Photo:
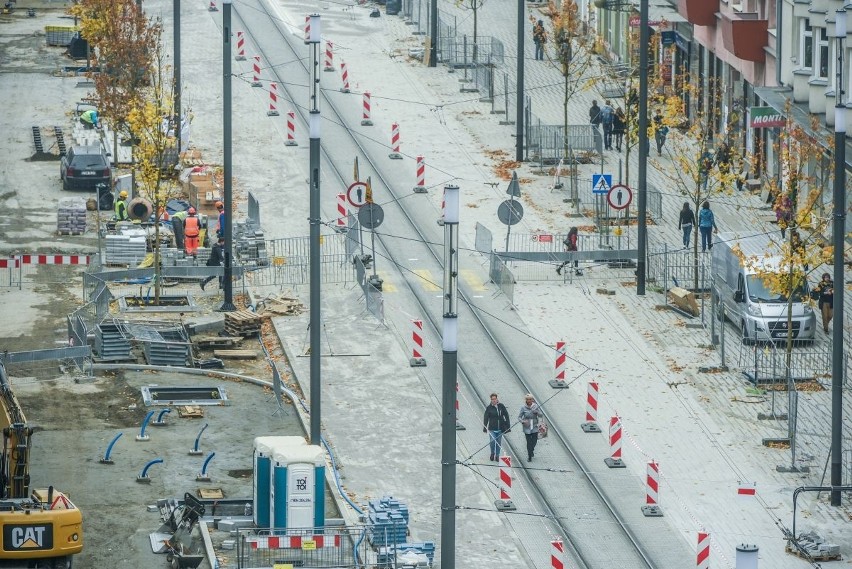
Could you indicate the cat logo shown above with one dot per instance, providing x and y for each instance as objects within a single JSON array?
[{"x": 27, "y": 537}]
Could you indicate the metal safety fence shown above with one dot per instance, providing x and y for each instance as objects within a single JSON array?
[
  {"x": 502, "y": 276},
  {"x": 669, "y": 267},
  {"x": 289, "y": 262},
  {"x": 19, "y": 271},
  {"x": 763, "y": 364},
  {"x": 373, "y": 299},
  {"x": 548, "y": 144}
]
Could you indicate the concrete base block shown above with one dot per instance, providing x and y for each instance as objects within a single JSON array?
[
  {"x": 772, "y": 416},
  {"x": 652, "y": 511},
  {"x": 143, "y": 479},
  {"x": 417, "y": 362},
  {"x": 792, "y": 469},
  {"x": 441, "y": 222},
  {"x": 505, "y": 505},
  {"x": 590, "y": 428},
  {"x": 366, "y": 122},
  {"x": 291, "y": 143},
  {"x": 194, "y": 452},
  {"x": 558, "y": 384},
  {"x": 202, "y": 478},
  {"x": 240, "y": 58},
  {"x": 257, "y": 84},
  {"x": 105, "y": 461},
  {"x": 142, "y": 438},
  {"x": 460, "y": 427},
  {"x": 272, "y": 113},
  {"x": 158, "y": 423},
  {"x": 419, "y": 189},
  {"x": 395, "y": 156},
  {"x": 614, "y": 463}
]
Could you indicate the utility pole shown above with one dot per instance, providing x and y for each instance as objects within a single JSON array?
[
  {"x": 433, "y": 33},
  {"x": 837, "y": 365},
  {"x": 315, "y": 224},
  {"x": 177, "y": 103},
  {"x": 642, "y": 189},
  {"x": 450, "y": 341},
  {"x": 519, "y": 88},
  {"x": 228, "y": 304}
]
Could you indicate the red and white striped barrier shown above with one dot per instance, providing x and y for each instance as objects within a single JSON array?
[
  {"x": 342, "y": 212},
  {"x": 505, "y": 482},
  {"x": 212, "y": 7},
  {"x": 459, "y": 426},
  {"x": 746, "y": 490},
  {"x": 256, "y": 69},
  {"x": 273, "y": 100},
  {"x": 592, "y": 395},
  {"x": 291, "y": 129},
  {"x": 443, "y": 207},
  {"x": 10, "y": 263},
  {"x": 241, "y": 47},
  {"x": 344, "y": 74},
  {"x": 417, "y": 359},
  {"x": 329, "y": 56},
  {"x": 294, "y": 542},
  {"x": 557, "y": 554},
  {"x": 615, "y": 432},
  {"x": 54, "y": 259},
  {"x": 395, "y": 142},
  {"x": 652, "y": 508},
  {"x": 420, "y": 171},
  {"x": 307, "y": 29},
  {"x": 558, "y": 381},
  {"x": 365, "y": 115},
  {"x": 702, "y": 560}
]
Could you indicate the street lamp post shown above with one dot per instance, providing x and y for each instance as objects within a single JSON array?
[{"x": 839, "y": 229}]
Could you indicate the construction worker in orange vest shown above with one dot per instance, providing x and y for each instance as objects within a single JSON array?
[{"x": 191, "y": 229}]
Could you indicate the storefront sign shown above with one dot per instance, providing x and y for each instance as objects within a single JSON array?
[
  {"x": 681, "y": 42},
  {"x": 766, "y": 117},
  {"x": 667, "y": 38},
  {"x": 634, "y": 22}
]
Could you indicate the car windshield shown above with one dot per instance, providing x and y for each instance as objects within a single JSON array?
[{"x": 758, "y": 292}]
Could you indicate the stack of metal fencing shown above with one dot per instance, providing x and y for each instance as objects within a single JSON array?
[
  {"x": 110, "y": 342},
  {"x": 165, "y": 345},
  {"x": 71, "y": 216}
]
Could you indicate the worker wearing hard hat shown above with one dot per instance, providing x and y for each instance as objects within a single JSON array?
[
  {"x": 90, "y": 119},
  {"x": 177, "y": 220},
  {"x": 191, "y": 229},
  {"x": 121, "y": 207},
  {"x": 220, "y": 229}
]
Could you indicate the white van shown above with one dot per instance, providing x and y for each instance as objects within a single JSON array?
[{"x": 759, "y": 313}]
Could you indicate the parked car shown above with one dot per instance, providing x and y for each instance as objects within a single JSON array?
[{"x": 84, "y": 167}]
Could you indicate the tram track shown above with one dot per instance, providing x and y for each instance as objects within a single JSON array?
[{"x": 589, "y": 548}]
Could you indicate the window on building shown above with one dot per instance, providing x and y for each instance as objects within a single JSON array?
[
  {"x": 806, "y": 44},
  {"x": 821, "y": 67}
]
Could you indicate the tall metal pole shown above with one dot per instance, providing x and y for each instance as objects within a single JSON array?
[
  {"x": 177, "y": 103},
  {"x": 227, "y": 167},
  {"x": 433, "y": 33},
  {"x": 642, "y": 189},
  {"x": 519, "y": 88},
  {"x": 450, "y": 343},
  {"x": 315, "y": 224},
  {"x": 837, "y": 366}
]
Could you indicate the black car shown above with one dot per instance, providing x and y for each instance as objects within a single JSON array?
[{"x": 84, "y": 167}]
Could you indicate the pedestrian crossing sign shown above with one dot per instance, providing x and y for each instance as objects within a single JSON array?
[{"x": 601, "y": 183}]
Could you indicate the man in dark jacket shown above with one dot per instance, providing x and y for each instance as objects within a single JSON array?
[
  {"x": 495, "y": 423},
  {"x": 217, "y": 259}
]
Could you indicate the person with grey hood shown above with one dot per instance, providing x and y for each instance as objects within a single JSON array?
[{"x": 528, "y": 416}]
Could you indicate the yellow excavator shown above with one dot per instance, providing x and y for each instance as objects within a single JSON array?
[{"x": 42, "y": 529}]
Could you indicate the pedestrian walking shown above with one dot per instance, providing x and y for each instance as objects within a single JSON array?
[
  {"x": 495, "y": 423},
  {"x": 570, "y": 243},
  {"x": 539, "y": 39},
  {"x": 705, "y": 165},
  {"x": 783, "y": 213},
  {"x": 685, "y": 223},
  {"x": 595, "y": 113},
  {"x": 121, "y": 207},
  {"x": 723, "y": 158},
  {"x": 706, "y": 225},
  {"x": 217, "y": 259},
  {"x": 824, "y": 294},
  {"x": 607, "y": 118},
  {"x": 529, "y": 416},
  {"x": 660, "y": 131},
  {"x": 177, "y": 220},
  {"x": 191, "y": 230},
  {"x": 619, "y": 126}
]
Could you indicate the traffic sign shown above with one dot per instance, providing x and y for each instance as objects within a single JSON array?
[
  {"x": 371, "y": 215},
  {"x": 356, "y": 194},
  {"x": 601, "y": 183},
  {"x": 514, "y": 188},
  {"x": 619, "y": 196},
  {"x": 510, "y": 212}
]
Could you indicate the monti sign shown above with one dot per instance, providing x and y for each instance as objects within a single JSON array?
[{"x": 766, "y": 117}]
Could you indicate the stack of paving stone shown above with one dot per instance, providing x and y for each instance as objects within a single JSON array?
[
  {"x": 172, "y": 257},
  {"x": 420, "y": 554},
  {"x": 250, "y": 244},
  {"x": 127, "y": 248},
  {"x": 387, "y": 521},
  {"x": 71, "y": 216}
]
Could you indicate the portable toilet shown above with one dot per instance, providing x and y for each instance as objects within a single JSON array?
[
  {"x": 298, "y": 487},
  {"x": 264, "y": 448}
]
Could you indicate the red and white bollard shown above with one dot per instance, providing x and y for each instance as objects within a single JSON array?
[
  {"x": 443, "y": 206},
  {"x": 344, "y": 73},
  {"x": 505, "y": 504},
  {"x": 291, "y": 129},
  {"x": 256, "y": 70},
  {"x": 417, "y": 359},
  {"x": 651, "y": 509},
  {"x": 329, "y": 56},
  {"x": 395, "y": 155},
  {"x": 420, "y": 188},
  {"x": 614, "y": 459},
  {"x": 212, "y": 7},
  {"x": 273, "y": 100},
  {"x": 342, "y": 213},
  {"x": 558, "y": 381},
  {"x": 241, "y": 47},
  {"x": 459, "y": 426},
  {"x": 557, "y": 554},
  {"x": 702, "y": 560},
  {"x": 365, "y": 115},
  {"x": 591, "y": 424},
  {"x": 307, "y": 29}
]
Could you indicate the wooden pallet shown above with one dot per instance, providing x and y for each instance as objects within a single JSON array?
[
  {"x": 235, "y": 354},
  {"x": 810, "y": 556},
  {"x": 207, "y": 342},
  {"x": 242, "y": 323}
]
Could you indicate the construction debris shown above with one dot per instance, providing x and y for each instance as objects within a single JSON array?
[
  {"x": 190, "y": 411},
  {"x": 242, "y": 323},
  {"x": 283, "y": 305},
  {"x": 236, "y": 354},
  {"x": 811, "y": 546}
]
